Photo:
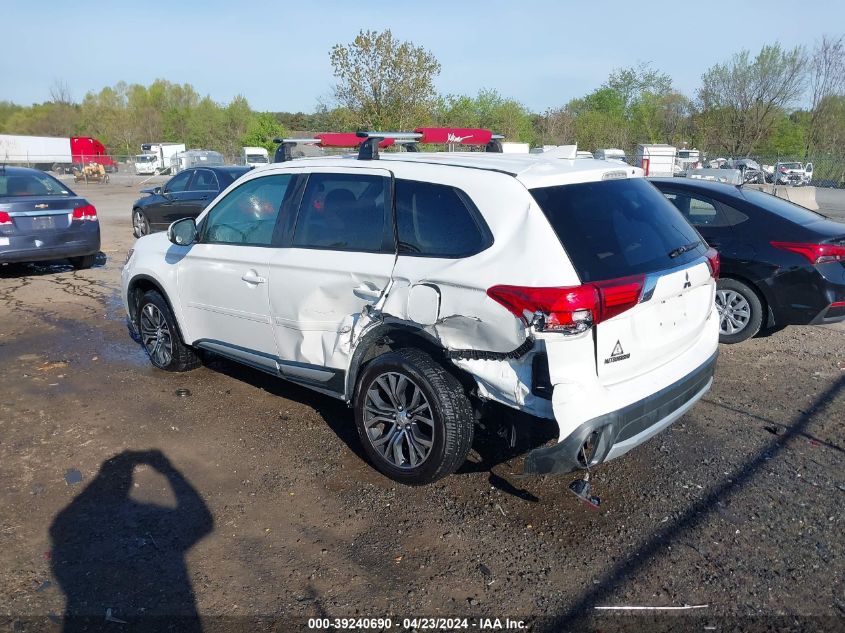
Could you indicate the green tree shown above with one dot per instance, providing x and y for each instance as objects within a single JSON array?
[
  {"x": 263, "y": 127},
  {"x": 387, "y": 83},
  {"x": 743, "y": 99}
]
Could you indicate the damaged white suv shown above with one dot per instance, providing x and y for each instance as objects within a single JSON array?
[{"x": 414, "y": 285}]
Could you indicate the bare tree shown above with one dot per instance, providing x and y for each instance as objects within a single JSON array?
[
  {"x": 60, "y": 92},
  {"x": 827, "y": 79},
  {"x": 743, "y": 98},
  {"x": 386, "y": 82}
]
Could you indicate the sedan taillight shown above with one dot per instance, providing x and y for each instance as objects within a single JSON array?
[
  {"x": 815, "y": 253},
  {"x": 85, "y": 212},
  {"x": 5, "y": 219}
]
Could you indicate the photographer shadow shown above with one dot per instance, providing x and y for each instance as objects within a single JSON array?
[{"x": 122, "y": 562}]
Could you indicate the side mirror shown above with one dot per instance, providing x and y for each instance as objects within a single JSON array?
[
  {"x": 157, "y": 191},
  {"x": 183, "y": 232},
  {"x": 152, "y": 190}
]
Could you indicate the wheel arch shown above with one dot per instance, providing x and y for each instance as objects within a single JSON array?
[
  {"x": 138, "y": 286},
  {"x": 769, "y": 320},
  {"x": 390, "y": 336}
]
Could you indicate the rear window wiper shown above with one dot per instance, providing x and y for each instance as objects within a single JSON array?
[{"x": 675, "y": 252}]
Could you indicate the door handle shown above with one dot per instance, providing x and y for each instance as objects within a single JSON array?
[
  {"x": 252, "y": 277},
  {"x": 367, "y": 291}
]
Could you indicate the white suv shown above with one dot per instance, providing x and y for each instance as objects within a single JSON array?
[{"x": 414, "y": 286}]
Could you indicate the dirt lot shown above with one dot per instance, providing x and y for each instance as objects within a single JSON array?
[{"x": 257, "y": 503}]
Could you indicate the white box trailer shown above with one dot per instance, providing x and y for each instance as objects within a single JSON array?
[
  {"x": 656, "y": 160},
  {"x": 195, "y": 158},
  {"x": 41, "y": 152},
  {"x": 156, "y": 157},
  {"x": 515, "y": 148}
]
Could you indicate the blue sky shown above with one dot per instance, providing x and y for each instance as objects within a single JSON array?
[{"x": 542, "y": 53}]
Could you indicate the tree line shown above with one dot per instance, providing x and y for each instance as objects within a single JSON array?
[{"x": 780, "y": 101}]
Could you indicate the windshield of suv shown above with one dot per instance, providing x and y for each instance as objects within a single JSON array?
[
  {"x": 781, "y": 207},
  {"x": 28, "y": 184},
  {"x": 616, "y": 228},
  {"x": 145, "y": 158},
  {"x": 256, "y": 158}
]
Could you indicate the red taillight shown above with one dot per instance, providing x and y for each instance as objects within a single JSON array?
[
  {"x": 815, "y": 253},
  {"x": 5, "y": 218},
  {"x": 86, "y": 212},
  {"x": 571, "y": 309},
  {"x": 713, "y": 261}
]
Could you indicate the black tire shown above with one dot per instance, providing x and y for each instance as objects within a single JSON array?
[
  {"x": 744, "y": 305},
  {"x": 85, "y": 261},
  {"x": 448, "y": 405},
  {"x": 140, "y": 223},
  {"x": 163, "y": 335}
]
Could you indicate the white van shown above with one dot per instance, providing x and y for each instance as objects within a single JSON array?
[{"x": 255, "y": 157}]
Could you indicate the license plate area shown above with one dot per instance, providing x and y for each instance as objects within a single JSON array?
[{"x": 43, "y": 222}]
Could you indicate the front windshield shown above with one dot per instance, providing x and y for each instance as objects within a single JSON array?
[
  {"x": 31, "y": 184},
  {"x": 145, "y": 159},
  {"x": 256, "y": 158},
  {"x": 791, "y": 165}
]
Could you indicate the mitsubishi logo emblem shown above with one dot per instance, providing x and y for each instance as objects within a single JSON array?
[{"x": 687, "y": 283}]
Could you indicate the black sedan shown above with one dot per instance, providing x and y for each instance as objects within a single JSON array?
[
  {"x": 781, "y": 264},
  {"x": 41, "y": 219},
  {"x": 183, "y": 196}
]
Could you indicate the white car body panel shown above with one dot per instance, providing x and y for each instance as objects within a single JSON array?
[{"x": 314, "y": 307}]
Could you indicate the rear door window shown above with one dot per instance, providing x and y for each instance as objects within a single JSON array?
[
  {"x": 616, "y": 228},
  {"x": 438, "y": 221},
  {"x": 346, "y": 212},
  {"x": 204, "y": 180}
]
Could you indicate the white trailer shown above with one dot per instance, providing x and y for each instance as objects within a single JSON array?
[
  {"x": 656, "y": 160},
  {"x": 157, "y": 157},
  {"x": 42, "y": 152},
  {"x": 195, "y": 158},
  {"x": 515, "y": 148}
]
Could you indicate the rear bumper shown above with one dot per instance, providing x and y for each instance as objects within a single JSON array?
[
  {"x": 617, "y": 432},
  {"x": 49, "y": 247},
  {"x": 808, "y": 295}
]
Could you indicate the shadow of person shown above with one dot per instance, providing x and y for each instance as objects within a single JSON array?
[{"x": 117, "y": 559}]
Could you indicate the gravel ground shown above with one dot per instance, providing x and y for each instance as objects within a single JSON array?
[{"x": 250, "y": 498}]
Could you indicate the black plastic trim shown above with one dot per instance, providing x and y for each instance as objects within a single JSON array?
[{"x": 619, "y": 425}]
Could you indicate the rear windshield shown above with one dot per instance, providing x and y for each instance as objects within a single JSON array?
[
  {"x": 781, "y": 207},
  {"x": 14, "y": 185},
  {"x": 616, "y": 228}
]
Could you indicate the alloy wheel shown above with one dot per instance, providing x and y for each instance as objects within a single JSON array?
[
  {"x": 155, "y": 335},
  {"x": 398, "y": 420},
  {"x": 734, "y": 311},
  {"x": 139, "y": 223}
]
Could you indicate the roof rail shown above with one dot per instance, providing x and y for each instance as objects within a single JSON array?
[
  {"x": 324, "y": 139},
  {"x": 368, "y": 146}
]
